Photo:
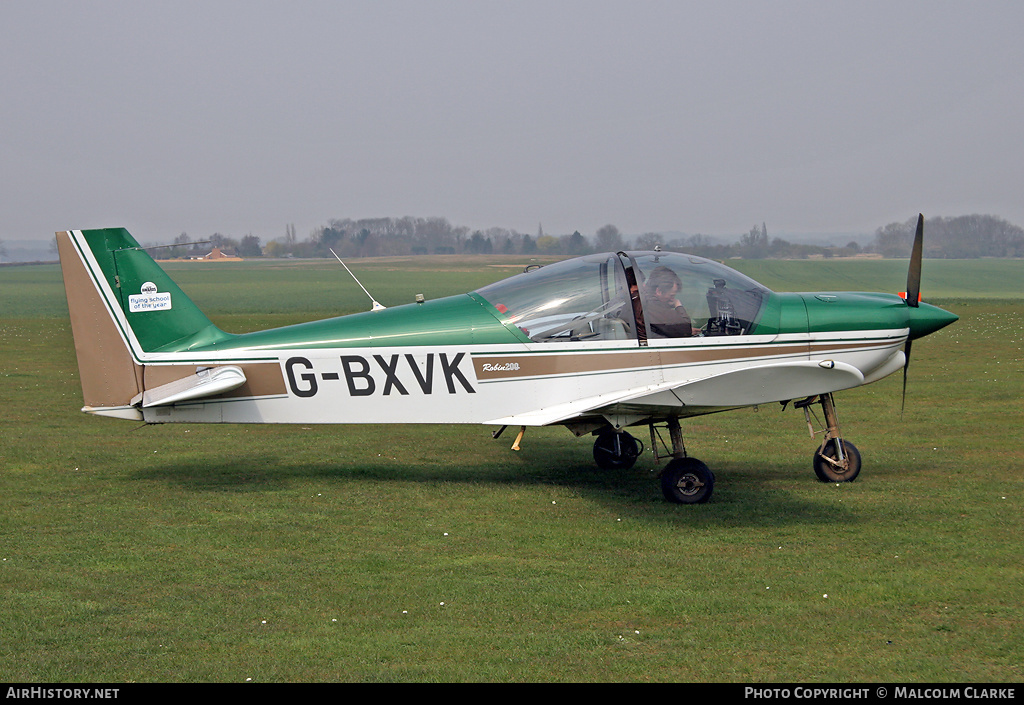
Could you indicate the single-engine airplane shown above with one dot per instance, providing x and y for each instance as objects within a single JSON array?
[{"x": 597, "y": 344}]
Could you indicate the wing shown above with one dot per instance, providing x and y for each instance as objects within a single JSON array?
[{"x": 760, "y": 384}]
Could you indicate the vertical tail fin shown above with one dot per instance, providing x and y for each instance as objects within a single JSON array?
[{"x": 122, "y": 307}]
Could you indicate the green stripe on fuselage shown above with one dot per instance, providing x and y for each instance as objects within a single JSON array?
[
  {"x": 454, "y": 320},
  {"x": 468, "y": 319}
]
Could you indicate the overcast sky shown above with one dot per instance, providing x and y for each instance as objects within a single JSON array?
[{"x": 703, "y": 117}]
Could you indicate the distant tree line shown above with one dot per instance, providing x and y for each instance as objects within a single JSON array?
[
  {"x": 755, "y": 244},
  {"x": 376, "y": 237},
  {"x": 960, "y": 237},
  {"x": 379, "y": 237}
]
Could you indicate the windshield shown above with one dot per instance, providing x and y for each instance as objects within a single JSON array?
[
  {"x": 588, "y": 298},
  {"x": 684, "y": 295},
  {"x": 579, "y": 299}
]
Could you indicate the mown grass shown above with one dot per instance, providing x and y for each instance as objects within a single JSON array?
[{"x": 434, "y": 553}]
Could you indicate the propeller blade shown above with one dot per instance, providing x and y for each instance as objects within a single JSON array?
[
  {"x": 906, "y": 366},
  {"x": 913, "y": 295},
  {"x": 914, "y": 275}
]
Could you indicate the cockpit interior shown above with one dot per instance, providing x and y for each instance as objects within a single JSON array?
[{"x": 629, "y": 296}]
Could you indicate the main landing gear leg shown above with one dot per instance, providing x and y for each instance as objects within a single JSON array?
[
  {"x": 684, "y": 480},
  {"x": 835, "y": 460}
]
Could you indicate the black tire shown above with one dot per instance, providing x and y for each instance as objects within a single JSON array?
[
  {"x": 687, "y": 481},
  {"x": 827, "y": 472},
  {"x": 615, "y": 451}
]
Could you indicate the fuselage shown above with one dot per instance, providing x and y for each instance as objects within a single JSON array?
[
  {"x": 562, "y": 344},
  {"x": 454, "y": 361}
]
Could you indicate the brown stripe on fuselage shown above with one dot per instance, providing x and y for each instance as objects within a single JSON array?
[
  {"x": 543, "y": 364},
  {"x": 513, "y": 366}
]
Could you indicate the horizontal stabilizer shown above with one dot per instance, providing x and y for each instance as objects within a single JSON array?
[{"x": 205, "y": 383}]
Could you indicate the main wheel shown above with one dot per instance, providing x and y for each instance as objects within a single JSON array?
[
  {"x": 687, "y": 481},
  {"x": 827, "y": 472},
  {"x": 615, "y": 451}
]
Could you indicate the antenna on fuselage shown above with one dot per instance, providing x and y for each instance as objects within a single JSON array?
[{"x": 376, "y": 306}]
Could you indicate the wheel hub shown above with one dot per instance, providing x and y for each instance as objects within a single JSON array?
[{"x": 689, "y": 484}]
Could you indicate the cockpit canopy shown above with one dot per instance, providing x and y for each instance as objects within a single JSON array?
[{"x": 629, "y": 295}]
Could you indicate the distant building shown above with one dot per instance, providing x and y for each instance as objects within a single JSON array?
[{"x": 217, "y": 254}]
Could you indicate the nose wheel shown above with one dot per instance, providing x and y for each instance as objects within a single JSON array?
[
  {"x": 831, "y": 465},
  {"x": 835, "y": 460}
]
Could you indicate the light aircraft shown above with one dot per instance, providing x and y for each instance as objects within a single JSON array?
[{"x": 597, "y": 344}]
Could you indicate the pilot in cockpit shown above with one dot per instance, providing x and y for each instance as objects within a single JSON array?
[{"x": 665, "y": 315}]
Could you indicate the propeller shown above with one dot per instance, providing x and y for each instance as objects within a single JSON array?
[
  {"x": 913, "y": 298},
  {"x": 914, "y": 275}
]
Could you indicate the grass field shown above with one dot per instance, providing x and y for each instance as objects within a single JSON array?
[{"x": 434, "y": 553}]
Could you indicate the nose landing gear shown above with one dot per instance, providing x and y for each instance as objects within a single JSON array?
[{"x": 835, "y": 460}]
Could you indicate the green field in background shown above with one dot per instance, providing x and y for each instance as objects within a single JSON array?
[{"x": 434, "y": 553}]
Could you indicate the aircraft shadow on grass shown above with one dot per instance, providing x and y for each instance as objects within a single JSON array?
[{"x": 625, "y": 491}]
